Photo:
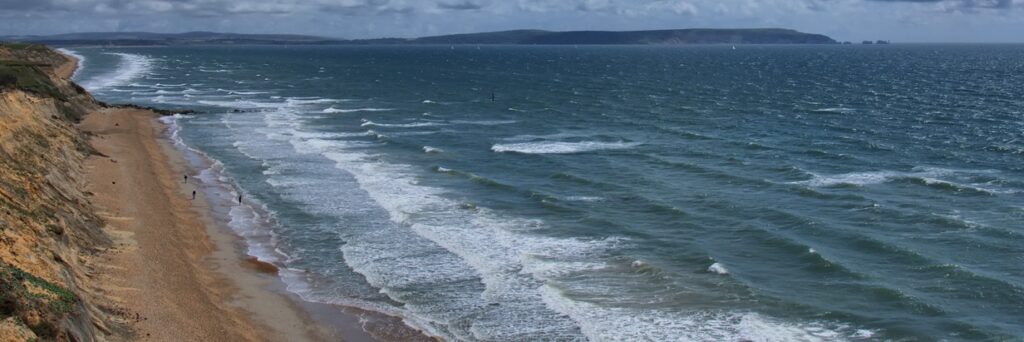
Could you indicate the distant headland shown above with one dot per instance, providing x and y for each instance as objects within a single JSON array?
[{"x": 515, "y": 37}]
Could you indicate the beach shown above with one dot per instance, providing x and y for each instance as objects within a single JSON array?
[
  {"x": 175, "y": 272},
  {"x": 185, "y": 279},
  {"x": 622, "y": 214}
]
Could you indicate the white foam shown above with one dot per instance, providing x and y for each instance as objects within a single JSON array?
[
  {"x": 863, "y": 334},
  {"x": 928, "y": 175},
  {"x": 408, "y": 125},
  {"x": 355, "y": 110},
  {"x": 445, "y": 242},
  {"x": 855, "y": 178},
  {"x": 509, "y": 262},
  {"x": 717, "y": 268},
  {"x": 484, "y": 122},
  {"x": 428, "y": 149},
  {"x": 249, "y": 220},
  {"x": 132, "y": 66},
  {"x": 244, "y": 104},
  {"x": 841, "y": 110},
  {"x": 600, "y": 323},
  {"x": 80, "y": 58},
  {"x": 326, "y": 135},
  {"x": 556, "y": 136},
  {"x": 302, "y": 101},
  {"x": 560, "y": 147},
  {"x": 584, "y": 198}
]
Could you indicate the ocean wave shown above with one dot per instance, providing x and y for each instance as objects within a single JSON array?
[
  {"x": 584, "y": 198},
  {"x": 244, "y": 104},
  {"x": 408, "y": 125},
  {"x": 355, "y": 110},
  {"x": 555, "y": 136},
  {"x": 315, "y": 100},
  {"x": 559, "y": 147},
  {"x": 326, "y": 135},
  {"x": 132, "y": 66},
  {"x": 233, "y": 92},
  {"x": 483, "y": 122},
  {"x": 161, "y": 85},
  {"x": 941, "y": 178},
  {"x": 841, "y": 110},
  {"x": 601, "y": 323},
  {"x": 251, "y": 220},
  {"x": 80, "y": 58},
  {"x": 717, "y": 268},
  {"x": 428, "y": 149},
  {"x": 497, "y": 250}
]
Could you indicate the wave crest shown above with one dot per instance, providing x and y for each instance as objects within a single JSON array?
[{"x": 561, "y": 147}]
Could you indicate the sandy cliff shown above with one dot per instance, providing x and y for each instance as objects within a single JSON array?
[{"x": 48, "y": 229}]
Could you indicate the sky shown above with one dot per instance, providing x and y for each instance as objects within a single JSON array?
[{"x": 853, "y": 20}]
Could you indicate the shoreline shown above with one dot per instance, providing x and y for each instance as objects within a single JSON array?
[
  {"x": 350, "y": 322},
  {"x": 171, "y": 266},
  {"x": 247, "y": 296}
]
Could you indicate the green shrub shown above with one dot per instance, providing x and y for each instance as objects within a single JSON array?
[{"x": 16, "y": 299}]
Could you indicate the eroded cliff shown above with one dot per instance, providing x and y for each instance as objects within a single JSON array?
[{"x": 48, "y": 229}]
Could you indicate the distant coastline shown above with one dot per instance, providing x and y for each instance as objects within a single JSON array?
[{"x": 514, "y": 37}]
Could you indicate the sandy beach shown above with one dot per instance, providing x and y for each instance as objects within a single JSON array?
[
  {"x": 183, "y": 278},
  {"x": 176, "y": 273}
]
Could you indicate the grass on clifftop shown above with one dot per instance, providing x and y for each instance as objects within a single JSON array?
[
  {"x": 21, "y": 68},
  {"x": 27, "y": 77},
  {"x": 24, "y": 46}
]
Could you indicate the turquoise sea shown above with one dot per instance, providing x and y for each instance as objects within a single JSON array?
[{"x": 693, "y": 193}]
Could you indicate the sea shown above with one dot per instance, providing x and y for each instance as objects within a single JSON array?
[{"x": 615, "y": 193}]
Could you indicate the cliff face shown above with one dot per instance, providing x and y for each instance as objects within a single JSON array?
[{"x": 48, "y": 229}]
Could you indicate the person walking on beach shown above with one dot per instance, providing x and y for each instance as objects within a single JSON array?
[
  {"x": 186, "y": 179},
  {"x": 193, "y": 194}
]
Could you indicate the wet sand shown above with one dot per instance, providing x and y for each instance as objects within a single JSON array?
[
  {"x": 175, "y": 273},
  {"x": 183, "y": 277}
]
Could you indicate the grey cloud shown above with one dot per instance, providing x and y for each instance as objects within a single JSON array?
[
  {"x": 209, "y": 7},
  {"x": 996, "y": 4},
  {"x": 845, "y": 19},
  {"x": 460, "y": 6}
]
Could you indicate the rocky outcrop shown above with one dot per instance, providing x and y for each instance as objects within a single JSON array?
[{"x": 48, "y": 229}]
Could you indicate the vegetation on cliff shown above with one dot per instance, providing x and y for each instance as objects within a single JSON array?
[{"x": 48, "y": 228}]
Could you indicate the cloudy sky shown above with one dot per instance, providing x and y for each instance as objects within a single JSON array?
[{"x": 897, "y": 20}]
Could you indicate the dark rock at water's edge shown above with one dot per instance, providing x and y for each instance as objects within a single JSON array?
[
  {"x": 514, "y": 37},
  {"x": 161, "y": 111}
]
